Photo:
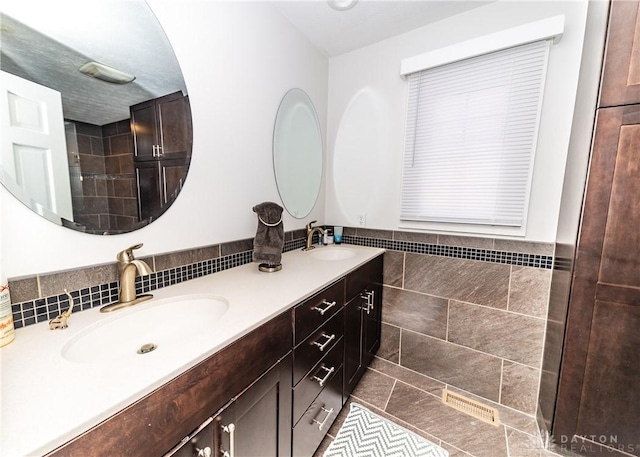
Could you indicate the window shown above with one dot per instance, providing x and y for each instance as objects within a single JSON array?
[{"x": 471, "y": 136}]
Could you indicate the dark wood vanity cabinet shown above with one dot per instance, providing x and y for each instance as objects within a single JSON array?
[
  {"x": 363, "y": 321},
  {"x": 162, "y": 142},
  {"x": 273, "y": 393}
]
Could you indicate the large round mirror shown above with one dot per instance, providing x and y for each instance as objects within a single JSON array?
[
  {"x": 94, "y": 112},
  {"x": 297, "y": 153}
]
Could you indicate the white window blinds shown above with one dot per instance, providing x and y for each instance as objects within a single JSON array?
[{"x": 471, "y": 135}]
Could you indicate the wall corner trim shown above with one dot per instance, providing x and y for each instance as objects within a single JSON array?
[{"x": 545, "y": 29}]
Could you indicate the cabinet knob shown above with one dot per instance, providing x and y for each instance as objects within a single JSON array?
[
  {"x": 206, "y": 452},
  {"x": 230, "y": 429}
]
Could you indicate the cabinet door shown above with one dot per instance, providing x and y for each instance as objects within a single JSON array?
[
  {"x": 353, "y": 349},
  {"x": 199, "y": 444},
  {"x": 599, "y": 390},
  {"x": 174, "y": 125},
  {"x": 172, "y": 174},
  {"x": 372, "y": 322},
  {"x": 143, "y": 127},
  {"x": 258, "y": 422},
  {"x": 621, "y": 73},
  {"x": 363, "y": 322},
  {"x": 149, "y": 186}
]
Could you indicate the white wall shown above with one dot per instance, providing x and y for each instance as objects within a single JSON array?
[
  {"x": 238, "y": 60},
  {"x": 580, "y": 146},
  {"x": 367, "y": 82}
]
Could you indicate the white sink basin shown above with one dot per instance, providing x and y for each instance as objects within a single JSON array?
[
  {"x": 332, "y": 253},
  {"x": 148, "y": 331}
]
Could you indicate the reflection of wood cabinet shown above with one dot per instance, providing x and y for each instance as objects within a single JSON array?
[
  {"x": 158, "y": 182},
  {"x": 162, "y": 151},
  {"x": 162, "y": 127}
]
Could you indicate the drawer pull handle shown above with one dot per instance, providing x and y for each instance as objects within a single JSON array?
[
  {"x": 230, "y": 429},
  {"x": 328, "y": 306},
  {"x": 329, "y": 338},
  {"x": 368, "y": 296},
  {"x": 322, "y": 381},
  {"x": 321, "y": 424}
]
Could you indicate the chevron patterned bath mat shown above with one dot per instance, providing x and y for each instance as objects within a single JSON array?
[{"x": 365, "y": 434}]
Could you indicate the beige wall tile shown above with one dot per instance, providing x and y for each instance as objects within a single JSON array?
[
  {"x": 471, "y": 281},
  {"x": 500, "y": 333},
  {"x": 529, "y": 291},
  {"x": 418, "y": 312},
  {"x": 520, "y": 387},
  {"x": 452, "y": 364}
]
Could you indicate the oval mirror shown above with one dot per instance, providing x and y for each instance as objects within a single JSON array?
[
  {"x": 297, "y": 153},
  {"x": 94, "y": 113}
]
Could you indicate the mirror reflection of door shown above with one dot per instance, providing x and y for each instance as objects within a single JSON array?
[{"x": 34, "y": 151}]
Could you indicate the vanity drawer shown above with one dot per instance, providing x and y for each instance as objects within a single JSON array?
[
  {"x": 308, "y": 353},
  {"x": 319, "y": 377},
  {"x": 313, "y": 426},
  {"x": 310, "y": 314}
]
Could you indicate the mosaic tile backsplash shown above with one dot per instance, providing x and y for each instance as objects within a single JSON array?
[{"x": 41, "y": 298}]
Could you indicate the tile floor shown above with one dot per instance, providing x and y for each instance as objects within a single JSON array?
[{"x": 423, "y": 412}]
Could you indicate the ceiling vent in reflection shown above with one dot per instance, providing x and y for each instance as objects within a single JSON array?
[{"x": 106, "y": 73}]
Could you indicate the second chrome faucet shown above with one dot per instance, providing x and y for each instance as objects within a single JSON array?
[{"x": 128, "y": 268}]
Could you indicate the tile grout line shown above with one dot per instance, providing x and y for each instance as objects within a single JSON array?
[
  {"x": 469, "y": 348},
  {"x": 501, "y": 377},
  {"x": 506, "y": 441},
  {"x": 494, "y": 308},
  {"x": 509, "y": 287},
  {"x": 446, "y": 335},
  {"x": 386, "y": 403},
  {"x": 400, "y": 347}
]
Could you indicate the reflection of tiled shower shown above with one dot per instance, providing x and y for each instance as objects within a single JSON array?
[
  {"x": 102, "y": 176},
  {"x": 73, "y": 158}
]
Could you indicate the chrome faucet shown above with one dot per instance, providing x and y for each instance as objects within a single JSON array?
[
  {"x": 128, "y": 268},
  {"x": 310, "y": 231}
]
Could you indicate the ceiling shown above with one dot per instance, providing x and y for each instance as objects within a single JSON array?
[
  {"x": 337, "y": 32},
  {"x": 48, "y": 44}
]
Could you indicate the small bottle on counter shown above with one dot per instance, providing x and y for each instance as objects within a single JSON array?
[{"x": 7, "y": 330}]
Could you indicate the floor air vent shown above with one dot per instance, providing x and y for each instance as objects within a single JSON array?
[{"x": 471, "y": 407}]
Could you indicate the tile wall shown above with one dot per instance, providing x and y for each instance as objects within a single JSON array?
[
  {"x": 41, "y": 297},
  {"x": 107, "y": 196},
  {"x": 477, "y": 325}
]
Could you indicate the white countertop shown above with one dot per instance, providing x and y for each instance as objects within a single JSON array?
[{"x": 46, "y": 400}]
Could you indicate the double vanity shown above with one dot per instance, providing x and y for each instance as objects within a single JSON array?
[{"x": 240, "y": 362}]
